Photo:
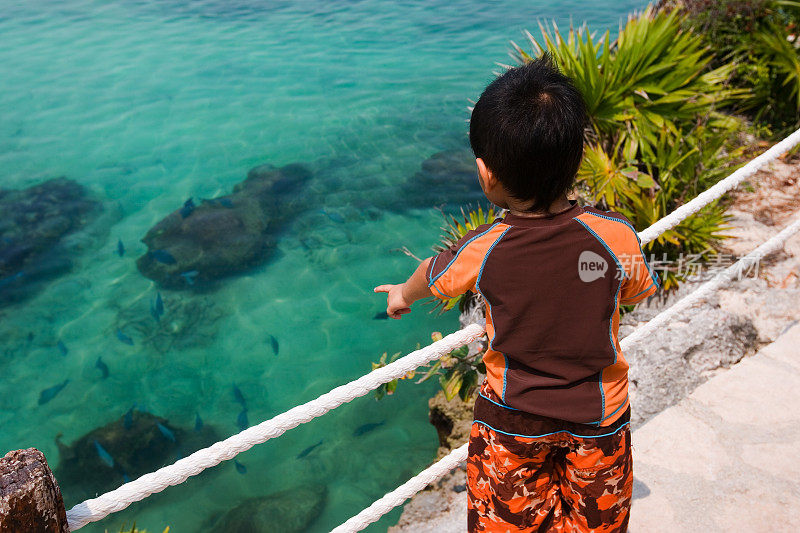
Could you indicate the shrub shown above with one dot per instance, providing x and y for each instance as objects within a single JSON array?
[
  {"x": 656, "y": 136},
  {"x": 759, "y": 38}
]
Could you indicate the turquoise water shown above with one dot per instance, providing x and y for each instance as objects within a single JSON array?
[{"x": 148, "y": 103}]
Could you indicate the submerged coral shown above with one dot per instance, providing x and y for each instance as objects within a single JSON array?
[
  {"x": 33, "y": 228},
  {"x": 135, "y": 444},
  {"x": 447, "y": 177},
  {"x": 187, "y": 322},
  {"x": 289, "y": 511},
  {"x": 198, "y": 244}
]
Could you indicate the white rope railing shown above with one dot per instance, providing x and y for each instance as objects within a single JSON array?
[
  {"x": 178, "y": 472},
  {"x": 445, "y": 465},
  {"x": 396, "y": 498},
  {"x": 118, "y": 499},
  {"x": 721, "y": 279}
]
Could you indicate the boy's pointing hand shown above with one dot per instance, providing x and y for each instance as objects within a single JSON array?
[{"x": 396, "y": 303}]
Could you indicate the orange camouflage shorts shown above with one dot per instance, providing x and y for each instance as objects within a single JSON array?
[{"x": 556, "y": 482}]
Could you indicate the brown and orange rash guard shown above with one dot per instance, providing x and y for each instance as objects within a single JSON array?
[{"x": 553, "y": 287}]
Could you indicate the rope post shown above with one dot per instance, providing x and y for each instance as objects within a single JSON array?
[{"x": 30, "y": 499}]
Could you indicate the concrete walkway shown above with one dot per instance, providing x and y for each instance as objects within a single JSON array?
[{"x": 727, "y": 457}]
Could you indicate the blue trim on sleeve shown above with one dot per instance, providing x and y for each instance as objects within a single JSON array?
[
  {"x": 653, "y": 284},
  {"x": 489, "y": 305},
  {"x": 638, "y": 240},
  {"x": 505, "y": 374},
  {"x": 552, "y": 433},
  {"x": 617, "y": 409},
  {"x": 504, "y": 406},
  {"x": 611, "y": 318},
  {"x": 430, "y": 269},
  {"x": 601, "y": 241},
  {"x": 439, "y": 275},
  {"x": 440, "y": 292}
]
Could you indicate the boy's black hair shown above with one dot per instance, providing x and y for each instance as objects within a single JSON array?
[{"x": 527, "y": 127}]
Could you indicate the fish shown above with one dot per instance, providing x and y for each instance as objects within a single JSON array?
[
  {"x": 104, "y": 455},
  {"x": 274, "y": 343},
  {"x": 240, "y": 467},
  {"x": 168, "y": 434},
  {"x": 188, "y": 208},
  {"x": 163, "y": 256},
  {"x": 239, "y": 397},
  {"x": 8, "y": 280},
  {"x": 198, "y": 422},
  {"x": 157, "y": 308},
  {"x": 102, "y": 367},
  {"x": 62, "y": 348},
  {"x": 49, "y": 393},
  {"x": 308, "y": 450},
  {"x": 154, "y": 313},
  {"x": 125, "y": 477},
  {"x": 127, "y": 421},
  {"x": 124, "y": 338},
  {"x": 366, "y": 428},
  {"x": 383, "y": 315},
  {"x": 120, "y": 248},
  {"x": 159, "y": 304},
  {"x": 189, "y": 276},
  {"x": 334, "y": 216},
  {"x": 242, "y": 420}
]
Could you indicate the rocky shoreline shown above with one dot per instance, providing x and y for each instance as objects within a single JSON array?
[{"x": 715, "y": 335}]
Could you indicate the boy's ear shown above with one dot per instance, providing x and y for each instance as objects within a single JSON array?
[{"x": 488, "y": 181}]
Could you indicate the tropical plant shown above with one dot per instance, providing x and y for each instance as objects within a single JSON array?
[
  {"x": 387, "y": 389},
  {"x": 454, "y": 229},
  {"x": 656, "y": 137},
  {"x": 458, "y": 372},
  {"x": 759, "y": 37}
]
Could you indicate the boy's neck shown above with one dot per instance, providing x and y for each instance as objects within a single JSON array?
[{"x": 522, "y": 209}]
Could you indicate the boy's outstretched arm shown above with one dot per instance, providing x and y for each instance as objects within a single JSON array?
[{"x": 400, "y": 297}]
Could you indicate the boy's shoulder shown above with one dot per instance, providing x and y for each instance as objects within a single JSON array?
[
  {"x": 609, "y": 224},
  {"x": 477, "y": 232},
  {"x": 608, "y": 215}
]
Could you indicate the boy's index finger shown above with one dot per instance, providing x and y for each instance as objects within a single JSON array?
[{"x": 383, "y": 288}]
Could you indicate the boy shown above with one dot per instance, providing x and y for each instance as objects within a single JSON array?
[{"x": 549, "y": 448}]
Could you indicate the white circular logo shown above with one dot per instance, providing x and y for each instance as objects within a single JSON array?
[{"x": 591, "y": 266}]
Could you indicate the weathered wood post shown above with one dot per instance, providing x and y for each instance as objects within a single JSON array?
[{"x": 30, "y": 500}]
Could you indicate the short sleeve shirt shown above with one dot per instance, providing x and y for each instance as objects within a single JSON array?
[{"x": 552, "y": 288}]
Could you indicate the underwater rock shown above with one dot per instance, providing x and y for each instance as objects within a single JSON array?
[
  {"x": 125, "y": 449},
  {"x": 290, "y": 511},
  {"x": 198, "y": 244},
  {"x": 35, "y": 222},
  {"x": 448, "y": 177}
]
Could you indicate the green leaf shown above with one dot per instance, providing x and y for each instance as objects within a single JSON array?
[
  {"x": 452, "y": 385},
  {"x": 644, "y": 181}
]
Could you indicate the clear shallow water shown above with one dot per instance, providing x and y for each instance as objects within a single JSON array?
[{"x": 149, "y": 103}]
